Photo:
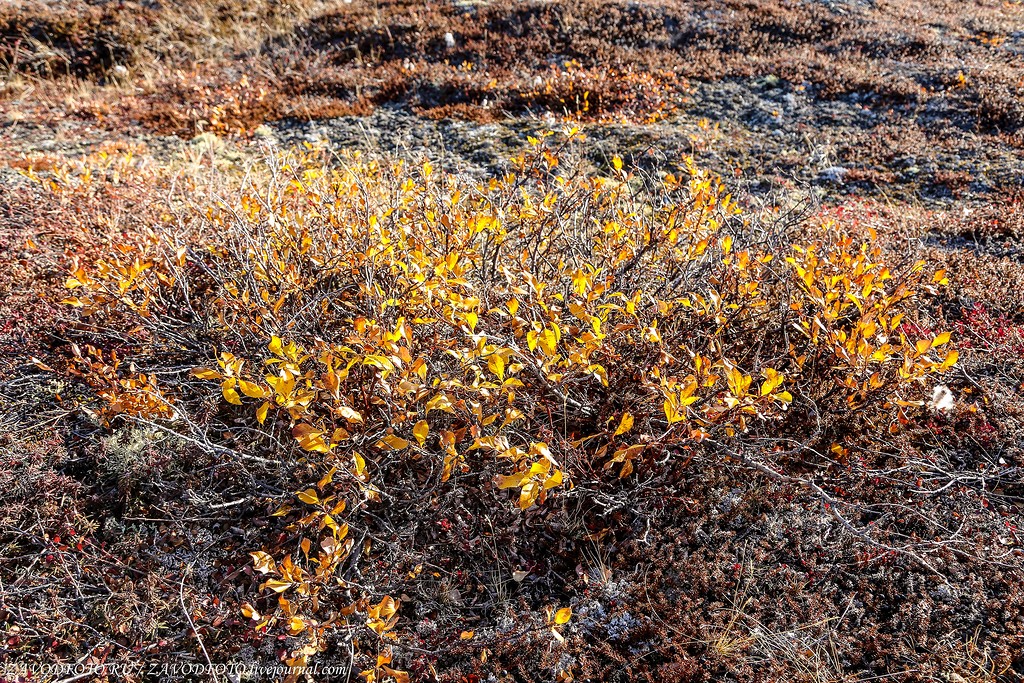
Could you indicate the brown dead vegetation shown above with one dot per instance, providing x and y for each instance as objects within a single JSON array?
[{"x": 957, "y": 63}]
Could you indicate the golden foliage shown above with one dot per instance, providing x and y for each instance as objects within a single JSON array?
[{"x": 531, "y": 326}]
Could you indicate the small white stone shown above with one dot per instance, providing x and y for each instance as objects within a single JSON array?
[{"x": 449, "y": 40}]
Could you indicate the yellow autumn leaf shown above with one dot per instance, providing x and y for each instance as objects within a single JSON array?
[
  {"x": 381, "y": 362},
  {"x": 510, "y": 481},
  {"x": 251, "y": 390},
  {"x": 420, "y": 431},
  {"x": 738, "y": 382},
  {"x": 554, "y": 480},
  {"x": 350, "y": 414},
  {"x": 563, "y": 615},
  {"x": 440, "y": 402},
  {"x": 673, "y": 413},
  {"x": 275, "y": 346},
  {"x": 360, "y": 465},
  {"x": 529, "y": 494},
  {"x": 230, "y": 395},
  {"x": 277, "y": 586},
  {"x": 773, "y": 379},
  {"x": 382, "y": 617},
  {"x": 327, "y": 478},
  {"x": 261, "y": 412},
  {"x": 392, "y": 442},
  {"x": 625, "y": 424},
  {"x": 548, "y": 341},
  {"x": 309, "y": 496},
  {"x": 263, "y": 562},
  {"x": 328, "y": 521},
  {"x": 496, "y": 364},
  {"x": 310, "y": 438}
]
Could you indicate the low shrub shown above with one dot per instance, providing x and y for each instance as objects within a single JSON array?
[{"x": 503, "y": 363}]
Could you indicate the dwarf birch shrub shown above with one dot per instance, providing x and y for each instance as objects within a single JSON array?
[{"x": 549, "y": 333}]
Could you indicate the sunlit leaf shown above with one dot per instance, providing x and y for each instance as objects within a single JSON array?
[
  {"x": 206, "y": 373},
  {"x": 251, "y": 390},
  {"x": 625, "y": 424},
  {"x": 263, "y": 562},
  {"x": 420, "y": 431},
  {"x": 496, "y": 364},
  {"x": 393, "y": 443},
  {"x": 309, "y": 496},
  {"x": 230, "y": 394},
  {"x": 350, "y": 414}
]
